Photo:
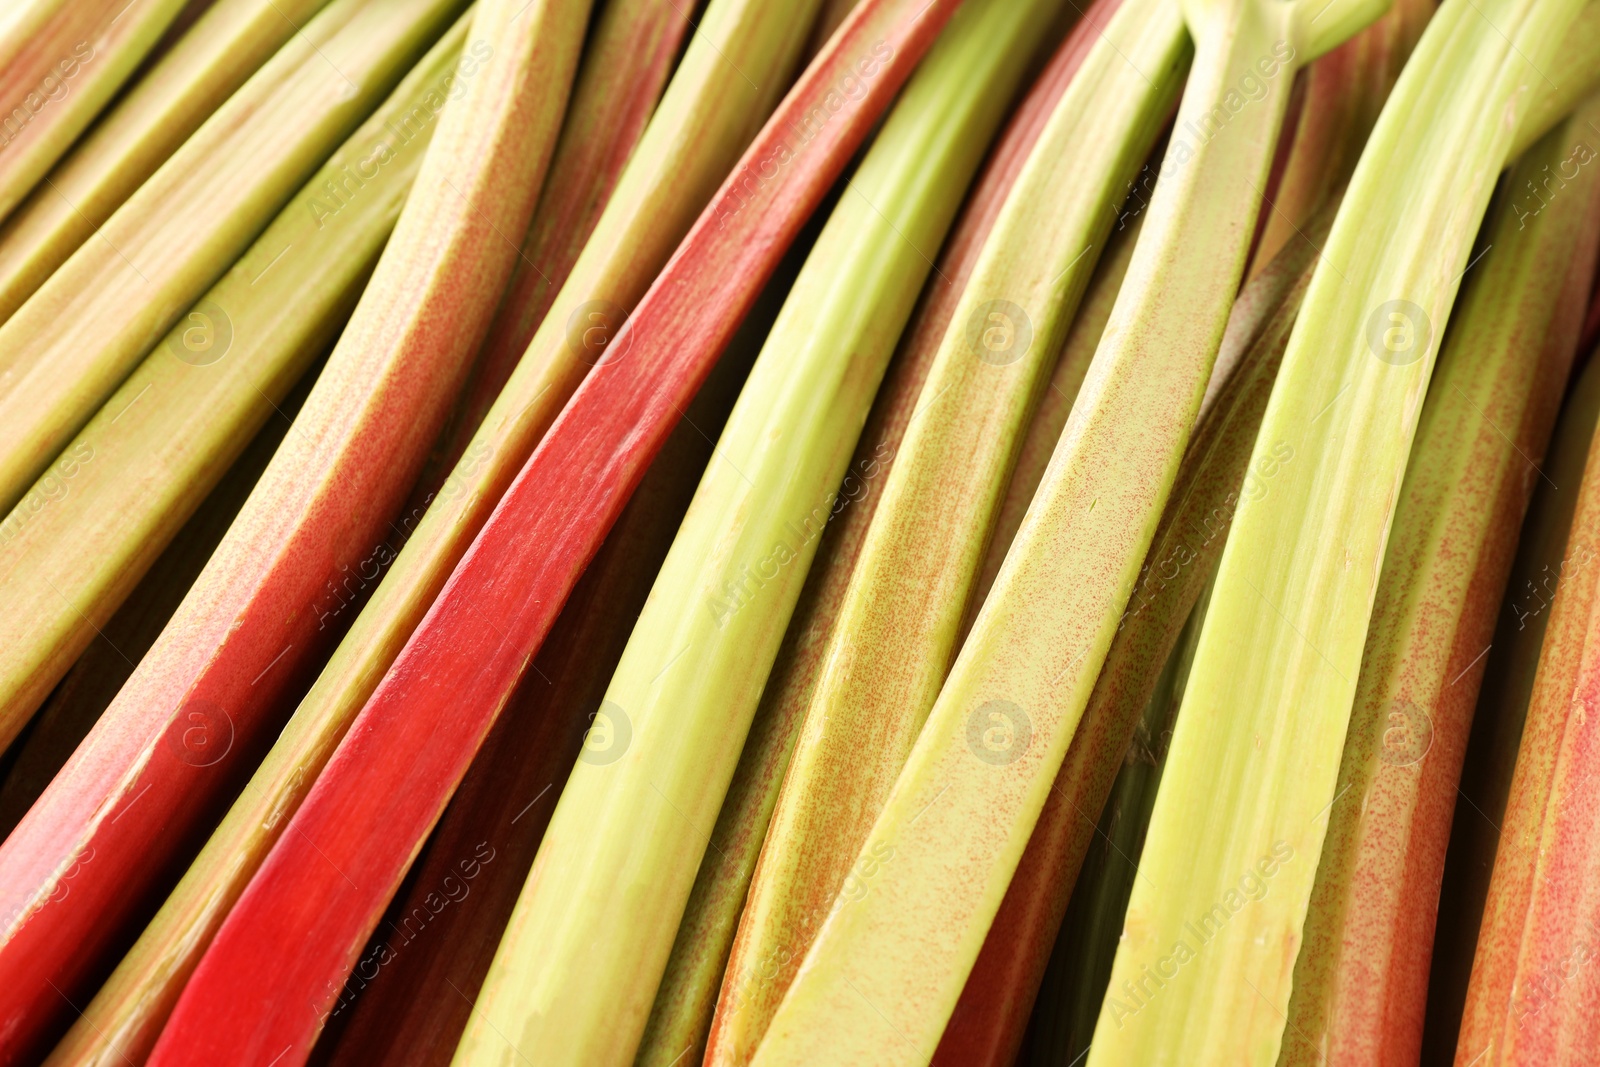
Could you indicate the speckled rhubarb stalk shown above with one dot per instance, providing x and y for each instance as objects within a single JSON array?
[
  {"x": 83, "y": 534},
  {"x": 1360, "y": 983},
  {"x": 121, "y": 817},
  {"x": 1055, "y": 406},
  {"x": 138, "y": 134},
  {"x": 425, "y": 722},
  {"x": 1534, "y": 978},
  {"x": 60, "y": 62},
  {"x": 901, "y": 938},
  {"x": 681, "y": 1016},
  {"x": 165, "y": 438},
  {"x": 1203, "y": 973},
  {"x": 1507, "y": 682},
  {"x": 625, "y": 64},
  {"x": 988, "y": 1023},
  {"x": 897, "y": 626},
  {"x": 75, "y": 339}
]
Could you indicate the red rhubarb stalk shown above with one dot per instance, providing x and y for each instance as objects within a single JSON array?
[
  {"x": 123, "y": 816},
  {"x": 395, "y": 770}
]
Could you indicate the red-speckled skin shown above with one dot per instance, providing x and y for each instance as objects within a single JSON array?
[
  {"x": 139, "y": 794},
  {"x": 683, "y": 1009},
  {"x": 624, "y": 67},
  {"x": 989, "y": 1021},
  {"x": 1535, "y": 980},
  {"x": 324, "y": 886},
  {"x": 1360, "y": 983}
]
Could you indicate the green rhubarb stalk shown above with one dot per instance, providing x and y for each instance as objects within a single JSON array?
[
  {"x": 1064, "y": 1013},
  {"x": 1572, "y": 75},
  {"x": 137, "y": 135},
  {"x": 74, "y": 341},
  {"x": 1203, "y": 973},
  {"x": 983, "y": 764},
  {"x": 172, "y": 429},
  {"x": 84, "y": 534},
  {"x": 1055, "y": 406},
  {"x": 897, "y": 627},
  {"x": 992, "y": 1014},
  {"x": 1344, "y": 92},
  {"x": 1360, "y": 981},
  {"x": 681, "y": 1016},
  {"x": 1530, "y": 996},
  {"x": 575, "y": 976},
  {"x": 60, "y": 62}
]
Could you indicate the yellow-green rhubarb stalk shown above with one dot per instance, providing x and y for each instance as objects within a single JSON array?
[
  {"x": 170, "y": 432},
  {"x": 897, "y": 627},
  {"x": 1572, "y": 75},
  {"x": 1344, "y": 92},
  {"x": 990, "y": 1019},
  {"x": 75, "y": 339},
  {"x": 60, "y": 62},
  {"x": 575, "y": 976},
  {"x": 887, "y": 967},
  {"x": 681, "y": 1016},
  {"x": 138, "y": 134},
  {"x": 84, "y": 534},
  {"x": 1213, "y": 928},
  {"x": 1361, "y": 979}
]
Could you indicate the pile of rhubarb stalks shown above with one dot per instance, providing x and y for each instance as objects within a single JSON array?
[{"x": 763, "y": 533}]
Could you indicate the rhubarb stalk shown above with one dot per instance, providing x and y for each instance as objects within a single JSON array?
[
  {"x": 178, "y": 737},
  {"x": 478, "y": 637},
  {"x": 1360, "y": 983},
  {"x": 681, "y": 1017},
  {"x": 1533, "y": 983},
  {"x": 990, "y": 1019},
  {"x": 60, "y": 62},
  {"x": 896, "y": 631},
  {"x": 897, "y": 946},
  {"x": 75, "y": 339},
  {"x": 1214, "y": 924},
  {"x": 84, "y": 534},
  {"x": 138, "y": 134}
]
